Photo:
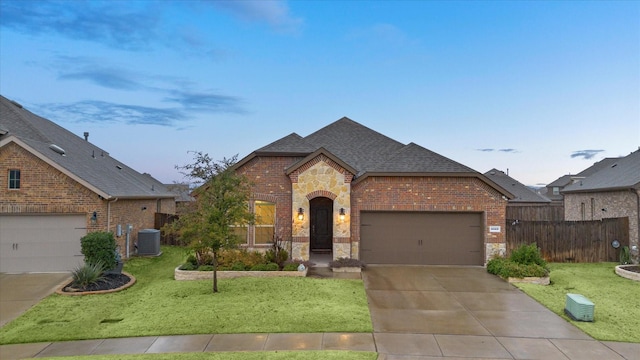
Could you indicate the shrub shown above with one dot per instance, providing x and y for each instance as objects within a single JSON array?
[
  {"x": 188, "y": 266},
  {"x": 265, "y": 267},
  {"x": 625, "y": 255},
  {"x": 525, "y": 261},
  {"x": 276, "y": 256},
  {"x": 99, "y": 247},
  {"x": 87, "y": 274},
  {"x": 291, "y": 267},
  {"x": 205, "y": 268},
  {"x": 346, "y": 262},
  {"x": 238, "y": 266},
  {"x": 227, "y": 258},
  {"x": 191, "y": 259},
  {"x": 527, "y": 255}
]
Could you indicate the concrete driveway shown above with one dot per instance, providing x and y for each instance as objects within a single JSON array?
[
  {"x": 19, "y": 292},
  {"x": 438, "y": 311}
]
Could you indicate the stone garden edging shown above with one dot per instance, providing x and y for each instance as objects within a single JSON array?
[
  {"x": 627, "y": 274},
  {"x": 132, "y": 280},
  {"x": 347, "y": 269},
  {"x": 530, "y": 280},
  {"x": 181, "y": 275}
]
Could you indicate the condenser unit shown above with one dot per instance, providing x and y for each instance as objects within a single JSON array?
[{"x": 579, "y": 307}]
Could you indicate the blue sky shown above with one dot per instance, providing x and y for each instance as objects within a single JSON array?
[{"x": 540, "y": 88}]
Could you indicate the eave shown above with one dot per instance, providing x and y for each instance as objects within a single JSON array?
[{"x": 478, "y": 176}]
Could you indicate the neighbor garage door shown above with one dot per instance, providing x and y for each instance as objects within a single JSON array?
[
  {"x": 421, "y": 238},
  {"x": 40, "y": 243}
]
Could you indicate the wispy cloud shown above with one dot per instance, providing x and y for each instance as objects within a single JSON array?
[
  {"x": 275, "y": 13},
  {"x": 174, "y": 90},
  {"x": 585, "y": 154},
  {"x": 121, "y": 27},
  {"x": 104, "y": 77},
  {"x": 94, "y": 111},
  {"x": 507, "y": 150},
  {"x": 205, "y": 101}
]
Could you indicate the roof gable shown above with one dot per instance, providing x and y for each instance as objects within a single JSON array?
[{"x": 77, "y": 158}]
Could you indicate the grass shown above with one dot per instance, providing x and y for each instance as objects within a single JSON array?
[
  {"x": 616, "y": 299},
  {"x": 257, "y": 355},
  {"x": 159, "y": 305}
]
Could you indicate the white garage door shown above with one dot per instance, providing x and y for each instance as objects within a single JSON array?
[{"x": 40, "y": 243}]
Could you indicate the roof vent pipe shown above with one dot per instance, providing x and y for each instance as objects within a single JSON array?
[{"x": 86, "y": 136}]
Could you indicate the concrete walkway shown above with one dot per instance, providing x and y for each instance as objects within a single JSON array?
[{"x": 418, "y": 312}]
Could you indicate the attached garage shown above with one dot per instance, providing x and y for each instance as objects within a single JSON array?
[
  {"x": 40, "y": 243},
  {"x": 422, "y": 238}
]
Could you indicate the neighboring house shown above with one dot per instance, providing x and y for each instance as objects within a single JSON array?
[
  {"x": 610, "y": 192},
  {"x": 57, "y": 186},
  {"x": 353, "y": 192},
  {"x": 554, "y": 189},
  {"x": 523, "y": 195},
  {"x": 183, "y": 196}
]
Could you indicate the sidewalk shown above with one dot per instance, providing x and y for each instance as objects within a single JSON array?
[{"x": 385, "y": 344}]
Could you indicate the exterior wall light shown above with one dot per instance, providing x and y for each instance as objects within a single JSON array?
[
  {"x": 300, "y": 214},
  {"x": 94, "y": 217},
  {"x": 342, "y": 214}
]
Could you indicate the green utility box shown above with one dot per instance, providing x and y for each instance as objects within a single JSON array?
[{"x": 579, "y": 308}]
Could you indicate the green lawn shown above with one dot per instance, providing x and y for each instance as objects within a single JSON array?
[
  {"x": 616, "y": 299},
  {"x": 159, "y": 305},
  {"x": 255, "y": 355}
]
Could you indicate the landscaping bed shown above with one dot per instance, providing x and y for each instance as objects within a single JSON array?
[
  {"x": 631, "y": 272},
  {"x": 159, "y": 305}
]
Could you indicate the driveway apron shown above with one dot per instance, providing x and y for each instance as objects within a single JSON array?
[
  {"x": 442, "y": 311},
  {"x": 19, "y": 292}
]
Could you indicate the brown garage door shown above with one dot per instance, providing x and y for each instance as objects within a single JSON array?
[
  {"x": 40, "y": 243},
  {"x": 421, "y": 238}
]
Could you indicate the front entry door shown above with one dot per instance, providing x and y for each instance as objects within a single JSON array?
[{"x": 321, "y": 224}]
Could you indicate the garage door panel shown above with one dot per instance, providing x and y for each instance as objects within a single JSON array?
[
  {"x": 41, "y": 243},
  {"x": 422, "y": 238}
]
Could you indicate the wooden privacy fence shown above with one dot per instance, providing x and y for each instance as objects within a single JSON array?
[
  {"x": 162, "y": 219},
  {"x": 547, "y": 212},
  {"x": 571, "y": 241}
]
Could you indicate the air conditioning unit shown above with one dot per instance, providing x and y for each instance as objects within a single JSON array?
[
  {"x": 149, "y": 242},
  {"x": 579, "y": 308}
]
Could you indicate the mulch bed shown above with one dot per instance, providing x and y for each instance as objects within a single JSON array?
[
  {"x": 108, "y": 282},
  {"x": 633, "y": 268}
]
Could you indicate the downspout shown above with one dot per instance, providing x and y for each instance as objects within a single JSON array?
[{"x": 109, "y": 212}]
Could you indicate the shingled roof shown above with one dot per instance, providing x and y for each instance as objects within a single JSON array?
[
  {"x": 522, "y": 193},
  {"x": 619, "y": 174},
  {"x": 367, "y": 152},
  {"x": 79, "y": 159}
]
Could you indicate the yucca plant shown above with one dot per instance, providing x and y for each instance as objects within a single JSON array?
[{"x": 87, "y": 274}]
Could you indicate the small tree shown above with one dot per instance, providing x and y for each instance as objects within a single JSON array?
[{"x": 222, "y": 201}]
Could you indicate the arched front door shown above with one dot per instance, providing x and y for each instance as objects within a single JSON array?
[{"x": 321, "y": 209}]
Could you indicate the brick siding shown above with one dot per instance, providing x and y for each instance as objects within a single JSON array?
[
  {"x": 46, "y": 190},
  {"x": 616, "y": 203},
  {"x": 437, "y": 194}
]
